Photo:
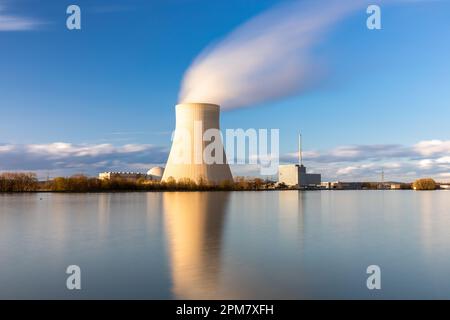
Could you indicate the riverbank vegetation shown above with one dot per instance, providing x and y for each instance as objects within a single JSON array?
[
  {"x": 27, "y": 182},
  {"x": 18, "y": 182},
  {"x": 85, "y": 184},
  {"x": 425, "y": 184}
]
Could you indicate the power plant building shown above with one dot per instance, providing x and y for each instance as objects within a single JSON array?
[
  {"x": 186, "y": 158},
  {"x": 121, "y": 175},
  {"x": 154, "y": 174},
  {"x": 295, "y": 175}
]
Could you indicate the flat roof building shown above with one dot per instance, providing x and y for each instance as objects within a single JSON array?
[
  {"x": 154, "y": 174},
  {"x": 121, "y": 175},
  {"x": 339, "y": 185},
  {"x": 296, "y": 175}
]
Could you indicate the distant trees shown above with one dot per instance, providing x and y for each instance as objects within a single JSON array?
[
  {"x": 81, "y": 183},
  {"x": 18, "y": 182},
  {"x": 370, "y": 185},
  {"x": 282, "y": 185},
  {"x": 77, "y": 183},
  {"x": 406, "y": 186},
  {"x": 384, "y": 186},
  {"x": 424, "y": 184},
  {"x": 27, "y": 182}
]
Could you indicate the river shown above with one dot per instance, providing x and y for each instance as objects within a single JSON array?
[{"x": 226, "y": 245}]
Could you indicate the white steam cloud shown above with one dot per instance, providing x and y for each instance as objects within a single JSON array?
[{"x": 266, "y": 58}]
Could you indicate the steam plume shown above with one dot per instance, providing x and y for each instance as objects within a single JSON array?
[{"x": 268, "y": 57}]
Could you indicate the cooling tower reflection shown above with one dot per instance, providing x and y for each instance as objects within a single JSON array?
[{"x": 194, "y": 223}]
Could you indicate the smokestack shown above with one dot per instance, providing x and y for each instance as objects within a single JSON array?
[
  {"x": 186, "y": 160},
  {"x": 300, "y": 154}
]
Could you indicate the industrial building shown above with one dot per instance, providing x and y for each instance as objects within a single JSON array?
[
  {"x": 295, "y": 174},
  {"x": 396, "y": 186},
  {"x": 154, "y": 174},
  {"x": 121, "y": 175},
  {"x": 339, "y": 185},
  {"x": 186, "y": 159}
]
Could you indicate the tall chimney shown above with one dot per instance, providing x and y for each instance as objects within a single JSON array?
[{"x": 300, "y": 153}]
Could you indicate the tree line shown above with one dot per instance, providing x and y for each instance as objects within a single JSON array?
[
  {"x": 18, "y": 182},
  {"x": 28, "y": 182}
]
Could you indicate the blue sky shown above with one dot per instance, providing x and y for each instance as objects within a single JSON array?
[{"x": 116, "y": 81}]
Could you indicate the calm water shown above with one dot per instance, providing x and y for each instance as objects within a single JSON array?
[{"x": 294, "y": 245}]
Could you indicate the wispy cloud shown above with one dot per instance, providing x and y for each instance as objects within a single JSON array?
[
  {"x": 14, "y": 22},
  {"x": 430, "y": 158},
  {"x": 365, "y": 162},
  {"x": 67, "y": 158}
]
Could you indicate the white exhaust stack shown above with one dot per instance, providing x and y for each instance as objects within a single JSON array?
[{"x": 186, "y": 158}]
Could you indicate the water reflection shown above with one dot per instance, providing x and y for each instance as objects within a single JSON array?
[
  {"x": 291, "y": 207},
  {"x": 194, "y": 223},
  {"x": 104, "y": 209},
  {"x": 237, "y": 245}
]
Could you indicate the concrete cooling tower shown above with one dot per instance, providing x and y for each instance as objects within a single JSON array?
[{"x": 186, "y": 155}]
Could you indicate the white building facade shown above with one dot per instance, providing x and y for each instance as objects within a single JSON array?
[{"x": 295, "y": 175}]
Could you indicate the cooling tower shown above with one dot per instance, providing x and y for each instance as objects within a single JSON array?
[{"x": 186, "y": 158}]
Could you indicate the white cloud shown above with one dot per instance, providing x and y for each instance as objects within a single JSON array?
[
  {"x": 346, "y": 170},
  {"x": 10, "y": 22},
  {"x": 347, "y": 163},
  {"x": 61, "y": 149},
  {"x": 6, "y": 148},
  {"x": 346, "y": 152},
  {"x": 68, "y": 158},
  {"x": 432, "y": 147},
  {"x": 430, "y": 158},
  {"x": 425, "y": 163},
  {"x": 443, "y": 160},
  {"x": 445, "y": 175}
]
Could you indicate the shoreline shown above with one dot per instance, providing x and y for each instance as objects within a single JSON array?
[
  {"x": 211, "y": 190},
  {"x": 28, "y": 183}
]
